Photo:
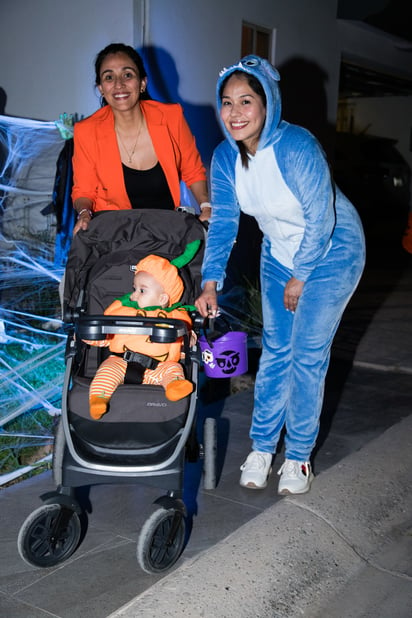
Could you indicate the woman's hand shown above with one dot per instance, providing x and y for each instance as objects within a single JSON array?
[
  {"x": 293, "y": 291},
  {"x": 205, "y": 214},
  {"x": 83, "y": 207},
  {"x": 206, "y": 304},
  {"x": 83, "y": 221}
]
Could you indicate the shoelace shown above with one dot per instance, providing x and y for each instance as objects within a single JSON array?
[
  {"x": 292, "y": 468},
  {"x": 255, "y": 461}
]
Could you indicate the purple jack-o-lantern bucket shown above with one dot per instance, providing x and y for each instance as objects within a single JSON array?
[{"x": 225, "y": 356}]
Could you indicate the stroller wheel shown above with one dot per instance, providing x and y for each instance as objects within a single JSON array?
[
  {"x": 209, "y": 453},
  {"x": 49, "y": 535},
  {"x": 161, "y": 540}
]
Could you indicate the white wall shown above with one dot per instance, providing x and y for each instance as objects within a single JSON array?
[
  {"x": 203, "y": 36},
  {"x": 50, "y": 45},
  {"x": 48, "y": 48}
]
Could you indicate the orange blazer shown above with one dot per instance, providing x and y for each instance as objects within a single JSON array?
[{"x": 97, "y": 167}]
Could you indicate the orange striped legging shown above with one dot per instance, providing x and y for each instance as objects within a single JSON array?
[{"x": 112, "y": 371}]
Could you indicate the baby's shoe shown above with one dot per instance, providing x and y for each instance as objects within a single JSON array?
[
  {"x": 98, "y": 406},
  {"x": 178, "y": 389}
]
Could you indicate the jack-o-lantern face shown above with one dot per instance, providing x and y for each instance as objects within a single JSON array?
[{"x": 228, "y": 361}]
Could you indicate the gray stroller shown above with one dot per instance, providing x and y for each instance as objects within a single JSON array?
[{"x": 146, "y": 438}]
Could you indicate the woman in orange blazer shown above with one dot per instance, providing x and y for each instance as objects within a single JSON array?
[{"x": 133, "y": 152}]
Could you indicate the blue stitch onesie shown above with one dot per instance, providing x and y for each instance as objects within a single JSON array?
[{"x": 311, "y": 232}]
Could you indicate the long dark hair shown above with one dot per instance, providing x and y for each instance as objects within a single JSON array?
[
  {"x": 257, "y": 88},
  {"x": 116, "y": 48}
]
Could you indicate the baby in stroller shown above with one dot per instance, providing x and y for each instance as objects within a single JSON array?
[
  {"x": 146, "y": 438},
  {"x": 157, "y": 289}
]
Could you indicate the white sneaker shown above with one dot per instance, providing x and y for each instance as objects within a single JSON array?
[
  {"x": 295, "y": 477},
  {"x": 256, "y": 469}
]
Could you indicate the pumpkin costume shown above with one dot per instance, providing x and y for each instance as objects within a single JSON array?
[{"x": 159, "y": 361}]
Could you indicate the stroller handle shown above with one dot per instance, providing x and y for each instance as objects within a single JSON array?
[{"x": 160, "y": 330}]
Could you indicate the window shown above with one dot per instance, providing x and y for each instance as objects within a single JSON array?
[{"x": 256, "y": 40}]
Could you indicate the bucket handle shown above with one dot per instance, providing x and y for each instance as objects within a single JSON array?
[{"x": 208, "y": 323}]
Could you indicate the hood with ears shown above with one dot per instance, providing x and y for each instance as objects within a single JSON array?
[{"x": 269, "y": 78}]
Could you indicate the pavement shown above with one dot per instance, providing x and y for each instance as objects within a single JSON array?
[{"x": 343, "y": 550}]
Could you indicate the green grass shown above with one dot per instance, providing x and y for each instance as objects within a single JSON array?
[{"x": 25, "y": 440}]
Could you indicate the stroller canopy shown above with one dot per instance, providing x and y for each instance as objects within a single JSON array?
[{"x": 100, "y": 258}]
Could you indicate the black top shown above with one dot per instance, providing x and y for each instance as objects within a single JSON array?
[{"x": 148, "y": 188}]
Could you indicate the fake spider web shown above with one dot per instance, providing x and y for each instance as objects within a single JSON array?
[
  {"x": 32, "y": 340},
  {"x": 35, "y": 233}
]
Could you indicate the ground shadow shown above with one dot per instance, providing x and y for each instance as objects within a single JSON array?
[
  {"x": 386, "y": 262},
  {"x": 304, "y": 102},
  {"x": 211, "y": 401},
  {"x": 213, "y": 393}
]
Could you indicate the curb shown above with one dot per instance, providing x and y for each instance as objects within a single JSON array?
[{"x": 301, "y": 551}]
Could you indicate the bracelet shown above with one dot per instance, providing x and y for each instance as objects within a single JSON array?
[
  {"x": 85, "y": 210},
  {"x": 204, "y": 205}
]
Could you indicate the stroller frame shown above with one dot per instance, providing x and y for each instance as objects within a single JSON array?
[{"x": 52, "y": 533}]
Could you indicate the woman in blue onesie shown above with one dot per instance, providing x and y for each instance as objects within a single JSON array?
[{"x": 313, "y": 254}]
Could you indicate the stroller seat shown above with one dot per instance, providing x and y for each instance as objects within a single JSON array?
[
  {"x": 139, "y": 417},
  {"x": 141, "y": 424}
]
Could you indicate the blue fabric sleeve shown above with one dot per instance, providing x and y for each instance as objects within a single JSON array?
[{"x": 225, "y": 215}]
